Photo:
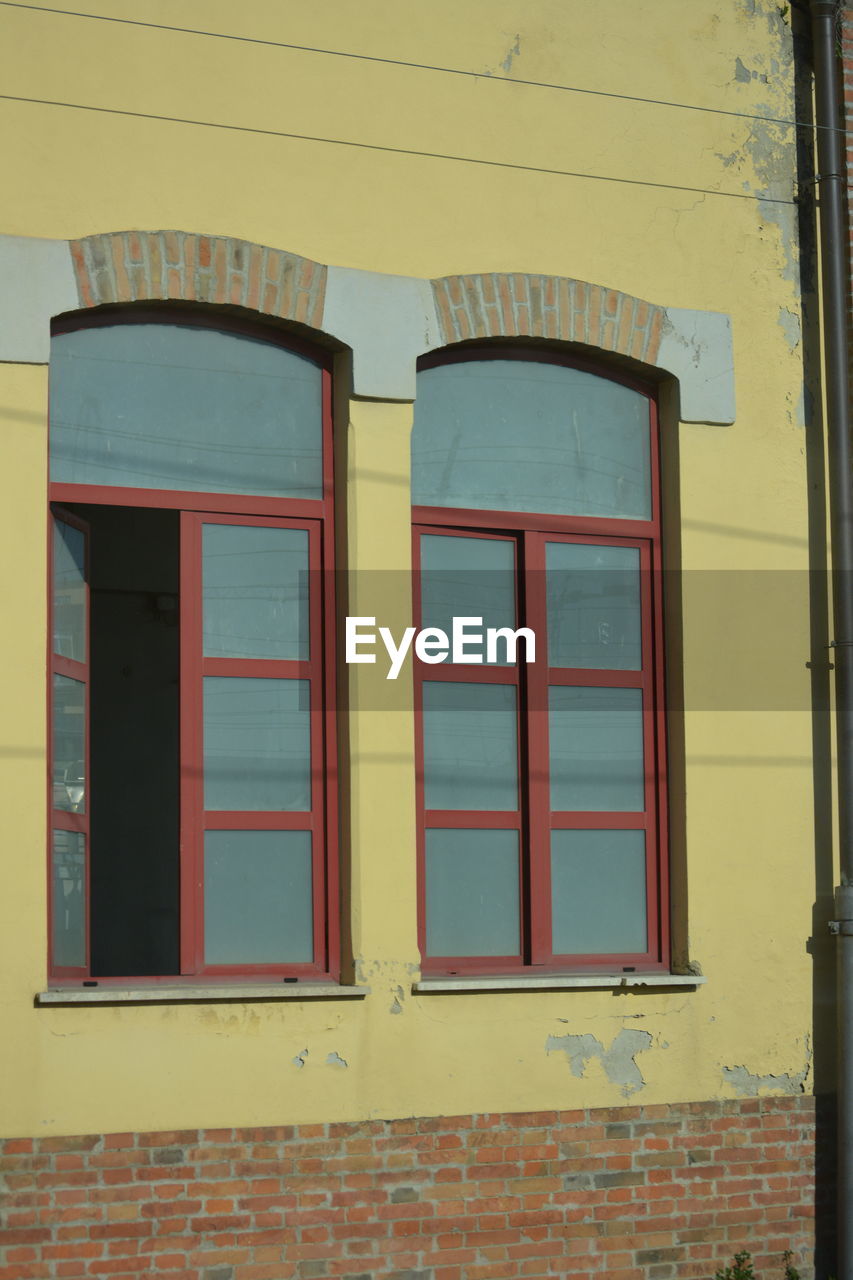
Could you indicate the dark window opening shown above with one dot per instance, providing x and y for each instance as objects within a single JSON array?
[{"x": 134, "y": 754}]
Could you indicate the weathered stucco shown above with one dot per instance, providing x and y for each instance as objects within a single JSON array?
[
  {"x": 742, "y": 805},
  {"x": 619, "y": 1060}
]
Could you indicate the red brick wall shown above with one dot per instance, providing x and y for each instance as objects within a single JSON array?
[{"x": 630, "y": 1193}]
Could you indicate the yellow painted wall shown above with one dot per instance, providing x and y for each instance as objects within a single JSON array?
[{"x": 747, "y": 846}]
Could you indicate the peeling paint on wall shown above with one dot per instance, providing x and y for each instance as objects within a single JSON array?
[
  {"x": 744, "y": 73},
  {"x": 335, "y": 1060},
  {"x": 513, "y": 53},
  {"x": 578, "y": 1049},
  {"x": 299, "y": 1060},
  {"x": 746, "y": 1084},
  {"x": 769, "y": 147},
  {"x": 397, "y": 1002},
  {"x": 618, "y": 1061},
  {"x": 804, "y": 411},
  {"x": 790, "y": 325},
  {"x": 380, "y": 972}
]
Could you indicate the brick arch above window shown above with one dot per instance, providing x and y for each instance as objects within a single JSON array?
[
  {"x": 501, "y": 304},
  {"x": 135, "y": 266},
  {"x": 388, "y": 321}
]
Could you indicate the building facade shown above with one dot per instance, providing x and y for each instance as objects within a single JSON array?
[{"x": 489, "y": 969}]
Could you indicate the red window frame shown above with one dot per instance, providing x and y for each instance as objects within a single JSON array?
[
  {"x": 316, "y": 516},
  {"x": 534, "y": 819}
]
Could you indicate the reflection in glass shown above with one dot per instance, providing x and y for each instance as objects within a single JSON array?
[
  {"x": 472, "y": 893},
  {"x": 168, "y": 406},
  {"x": 255, "y": 589},
  {"x": 593, "y": 606},
  {"x": 258, "y": 897},
  {"x": 470, "y": 746},
  {"x": 69, "y": 914},
  {"x": 69, "y": 744},
  {"x": 69, "y": 591},
  {"x": 257, "y": 742},
  {"x": 469, "y": 578},
  {"x": 598, "y": 892},
  {"x": 522, "y": 435},
  {"x": 596, "y": 741}
]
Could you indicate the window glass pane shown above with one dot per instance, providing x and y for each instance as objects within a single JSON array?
[
  {"x": 596, "y": 741},
  {"x": 69, "y": 591},
  {"x": 69, "y": 744},
  {"x": 69, "y": 886},
  {"x": 164, "y": 406},
  {"x": 256, "y": 744},
  {"x": 593, "y": 606},
  {"x": 255, "y": 585},
  {"x": 598, "y": 892},
  {"x": 472, "y": 893},
  {"x": 257, "y": 897},
  {"x": 470, "y": 746},
  {"x": 512, "y": 435},
  {"x": 468, "y": 578}
]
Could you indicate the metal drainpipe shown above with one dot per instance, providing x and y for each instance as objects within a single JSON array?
[{"x": 834, "y": 272}]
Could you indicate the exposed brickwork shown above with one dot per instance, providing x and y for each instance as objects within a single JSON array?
[
  {"x": 629, "y": 1193},
  {"x": 133, "y": 266},
  {"x": 498, "y": 305}
]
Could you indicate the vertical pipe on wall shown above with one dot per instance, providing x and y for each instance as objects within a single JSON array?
[{"x": 834, "y": 278}]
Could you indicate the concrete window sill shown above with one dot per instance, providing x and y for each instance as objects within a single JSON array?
[
  {"x": 200, "y": 993},
  {"x": 555, "y": 982}
]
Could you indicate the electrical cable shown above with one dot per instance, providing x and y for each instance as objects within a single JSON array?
[
  {"x": 403, "y": 151},
  {"x": 419, "y": 66}
]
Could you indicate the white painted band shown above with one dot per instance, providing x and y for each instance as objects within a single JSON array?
[{"x": 387, "y": 321}]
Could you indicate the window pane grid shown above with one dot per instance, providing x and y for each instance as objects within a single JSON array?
[
  {"x": 277, "y": 510},
  {"x": 538, "y": 823},
  {"x": 599, "y": 687},
  {"x": 246, "y": 827}
]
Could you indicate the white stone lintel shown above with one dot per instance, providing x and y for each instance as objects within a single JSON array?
[
  {"x": 387, "y": 321},
  {"x": 696, "y": 347},
  {"x": 36, "y": 283}
]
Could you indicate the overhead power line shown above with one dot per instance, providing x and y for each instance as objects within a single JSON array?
[
  {"x": 401, "y": 151},
  {"x": 419, "y": 66}
]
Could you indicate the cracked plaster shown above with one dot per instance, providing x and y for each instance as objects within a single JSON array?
[
  {"x": 748, "y": 1084},
  {"x": 618, "y": 1061}
]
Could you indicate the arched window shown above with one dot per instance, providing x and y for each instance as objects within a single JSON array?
[
  {"x": 191, "y": 503},
  {"x": 541, "y": 783}
]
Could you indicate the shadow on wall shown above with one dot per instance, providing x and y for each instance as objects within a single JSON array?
[{"x": 820, "y": 945}]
